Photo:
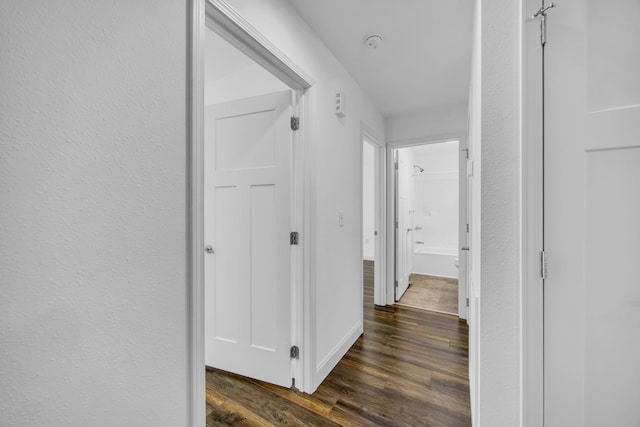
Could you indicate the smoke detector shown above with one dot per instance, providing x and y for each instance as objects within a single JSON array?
[{"x": 374, "y": 41}]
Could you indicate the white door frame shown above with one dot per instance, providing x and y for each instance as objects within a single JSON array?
[
  {"x": 237, "y": 31},
  {"x": 412, "y": 142},
  {"x": 369, "y": 134}
]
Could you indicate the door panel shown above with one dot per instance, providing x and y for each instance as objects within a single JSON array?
[
  {"x": 247, "y": 221},
  {"x": 612, "y": 295},
  {"x": 592, "y": 206},
  {"x": 264, "y": 260},
  {"x": 404, "y": 242},
  {"x": 228, "y": 264}
]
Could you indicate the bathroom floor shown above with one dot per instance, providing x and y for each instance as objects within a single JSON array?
[{"x": 432, "y": 293}]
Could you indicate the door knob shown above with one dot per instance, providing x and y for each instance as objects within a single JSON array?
[{"x": 208, "y": 249}]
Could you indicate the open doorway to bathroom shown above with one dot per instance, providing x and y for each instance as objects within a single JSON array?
[{"x": 427, "y": 210}]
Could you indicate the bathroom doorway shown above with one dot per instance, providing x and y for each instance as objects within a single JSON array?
[{"x": 429, "y": 185}]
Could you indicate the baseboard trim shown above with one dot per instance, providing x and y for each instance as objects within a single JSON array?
[{"x": 331, "y": 360}]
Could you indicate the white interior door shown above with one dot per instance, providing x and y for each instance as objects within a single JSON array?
[
  {"x": 404, "y": 236},
  {"x": 247, "y": 223},
  {"x": 592, "y": 215}
]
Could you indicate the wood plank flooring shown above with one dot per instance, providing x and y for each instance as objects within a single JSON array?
[
  {"x": 432, "y": 293},
  {"x": 408, "y": 369}
]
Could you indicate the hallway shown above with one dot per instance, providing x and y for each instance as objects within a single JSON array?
[{"x": 408, "y": 369}]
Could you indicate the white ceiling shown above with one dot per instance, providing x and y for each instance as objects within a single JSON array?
[{"x": 425, "y": 57}]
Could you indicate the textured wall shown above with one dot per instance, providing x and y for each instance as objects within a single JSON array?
[
  {"x": 499, "y": 363},
  {"x": 92, "y": 213}
]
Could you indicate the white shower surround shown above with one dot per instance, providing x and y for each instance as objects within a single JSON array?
[
  {"x": 435, "y": 216},
  {"x": 433, "y": 262}
]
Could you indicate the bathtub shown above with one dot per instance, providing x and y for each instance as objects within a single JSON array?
[{"x": 435, "y": 261}]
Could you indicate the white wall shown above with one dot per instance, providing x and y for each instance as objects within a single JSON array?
[
  {"x": 431, "y": 122},
  {"x": 334, "y": 156},
  {"x": 368, "y": 201},
  {"x": 500, "y": 282},
  {"x": 244, "y": 80},
  {"x": 92, "y": 226}
]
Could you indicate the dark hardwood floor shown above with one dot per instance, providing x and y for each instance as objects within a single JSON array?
[{"x": 408, "y": 369}]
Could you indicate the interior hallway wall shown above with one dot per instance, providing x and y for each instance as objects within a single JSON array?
[
  {"x": 500, "y": 356},
  {"x": 431, "y": 122},
  {"x": 334, "y": 155},
  {"x": 93, "y": 144}
]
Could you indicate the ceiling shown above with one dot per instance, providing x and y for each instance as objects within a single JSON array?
[{"x": 425, "y": 57}]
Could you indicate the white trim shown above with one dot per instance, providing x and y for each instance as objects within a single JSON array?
[
  {"x": 195, "y": 215},
  {"x": 333, "y": 357},
  {"x": 368, "y": 133},
  {"x": 308, "y": 351},
  {"x": 231, "y": 26},
  {"x": 463, "y": 221},
  {"x": 434, "y": 275},
  {"x": 532, "y": 345},
  {"x": 298, "y": 328}
]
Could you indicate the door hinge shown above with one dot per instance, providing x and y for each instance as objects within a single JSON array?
[
  {"x": 543, "y": 265},
  {"x": 467, "y": 228},
  {"x": 294, "y": 238},
  {"x": 395, "y": 166},
  {"x": 295, "y": 122},
  {"x": 395, "y": 283},
  {"x": 294, "y": 352},
  {"x": 467, "y": 302},
  {"x": 542, "y": 13}
]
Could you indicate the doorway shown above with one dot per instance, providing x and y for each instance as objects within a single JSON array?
[
  {"x": 373, "y": 214},
  {"x": 247, "y": 165},
  {"x": 247, "y": 197},
  {"x": 430, "y": 226}
]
